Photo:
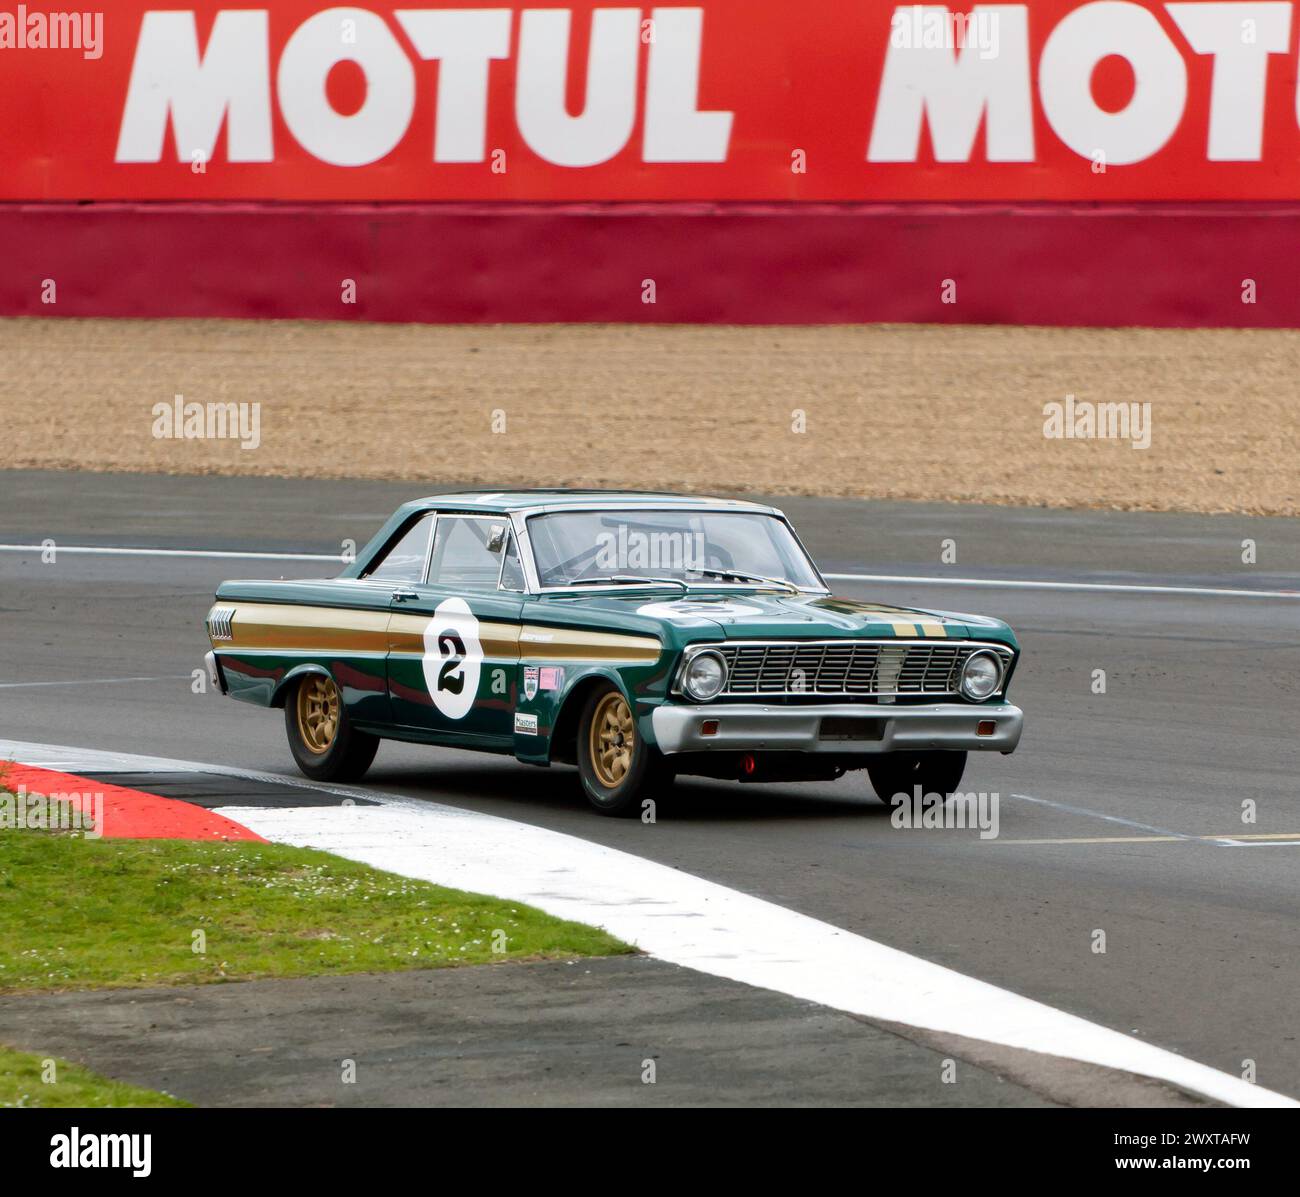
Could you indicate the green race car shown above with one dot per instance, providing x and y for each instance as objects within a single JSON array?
[{"x": 638, "y": 636}]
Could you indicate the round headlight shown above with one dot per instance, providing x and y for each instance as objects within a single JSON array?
[
  {"x": 981, "y": 675},
  {"x": 705, "y": 676}
]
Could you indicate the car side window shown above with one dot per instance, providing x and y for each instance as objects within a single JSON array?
[
  {"x": 512, "y": 573},
  {"x": 404, "y": 560},
  {"x": 467, "y": 553}
]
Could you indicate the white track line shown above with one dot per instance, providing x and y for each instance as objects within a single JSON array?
[
  {"x": 110, "y": 551},
  {"x": 910, "y": 579},
  {"x": 1221, "y": 841},
  {"x": 94, "y": 681},
  {"x": 1100, "y": 587},
  {"x": 679, "y": 918}
]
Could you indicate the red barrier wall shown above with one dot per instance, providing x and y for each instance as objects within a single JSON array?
[
  {"x": 1159, "y": 265},
  {"x": 1061, "y": 161}
]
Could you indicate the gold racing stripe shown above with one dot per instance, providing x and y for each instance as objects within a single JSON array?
[
  {"x": 573, "y": 644},
  {"x": 901, "y": 627},
  {"x": 301, "y": 628},
  {"x": 500, "y": 641},
  {"x": 292, "y": 627}
]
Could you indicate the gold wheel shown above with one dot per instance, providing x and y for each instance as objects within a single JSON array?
[
  {"x": 318, "y": 712},
  {"x": 612, "y": 740}
]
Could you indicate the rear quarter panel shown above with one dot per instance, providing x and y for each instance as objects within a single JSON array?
[{"x": 281, "y": 629}]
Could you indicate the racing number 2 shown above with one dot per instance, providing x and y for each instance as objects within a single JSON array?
[{"x": 451, "y": 677}]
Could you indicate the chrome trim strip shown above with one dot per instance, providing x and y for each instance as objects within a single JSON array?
[
  {"x": 674, "y": 502},
  {"x": 314, "y": 654},
  {"x": 699, "y": 588},
  {"x": 221, "y": 623},
  {"x": 423, "y": 579}
]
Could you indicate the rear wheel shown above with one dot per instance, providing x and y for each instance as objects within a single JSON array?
[
  {"x": 325, "y": 745},
  {"x": 618, "y": 768},
  {"x": 900, "y": 772}
]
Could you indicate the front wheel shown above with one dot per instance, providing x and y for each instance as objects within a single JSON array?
[
  {"x": 618, "y": 768},
  {"x": 325, "y": 745},
  {"x": 894, "y": 773}
]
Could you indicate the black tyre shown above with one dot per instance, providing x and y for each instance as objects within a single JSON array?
[
  {"x": 618, "y": 768},
  {"x": 900, "y": 772},
  {"x": 325, "y": 745}
]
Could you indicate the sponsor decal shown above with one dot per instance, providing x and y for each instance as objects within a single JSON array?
[
  {"x": 525, "y": 725},
  {"x": 453, "y": 658},
  {"x": 530, "y": 682},
  {"x": 551, "y": 677}
]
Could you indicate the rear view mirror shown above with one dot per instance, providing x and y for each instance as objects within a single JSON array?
[{"x": 497, "y": 538}]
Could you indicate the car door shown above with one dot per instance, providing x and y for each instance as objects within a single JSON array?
[{"x": 453, "y": 639}]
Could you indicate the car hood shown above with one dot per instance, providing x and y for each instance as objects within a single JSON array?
[{"x": 745, "y": 615}]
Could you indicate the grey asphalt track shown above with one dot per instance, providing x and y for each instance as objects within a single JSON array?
[
  {"x": 557, "y": 1034},
  {"x": 1200, "y": 716}
]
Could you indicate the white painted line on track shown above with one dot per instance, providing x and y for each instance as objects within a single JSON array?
[
  {"x": 1096, "y": 814},
  {"x": 678, "y": 917},
  {"x": 95, "y": 681},
  {"x": 111, "y": 551},
  {"x": 1100, "y": 587},
  {"x": 910, "y": 579}
]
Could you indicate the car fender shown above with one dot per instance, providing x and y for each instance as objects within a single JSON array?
[
  {"x": 560, "y": 711},
  {"x": 285, "y": 684}
]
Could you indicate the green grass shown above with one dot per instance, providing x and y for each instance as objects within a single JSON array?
[
  {"x": 79, "y": 913},
  {"x": 23, "y": 1085}
]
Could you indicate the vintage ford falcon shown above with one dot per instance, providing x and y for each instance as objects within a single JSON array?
[{"x": 638, "y": 636}]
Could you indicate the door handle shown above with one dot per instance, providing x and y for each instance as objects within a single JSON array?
[{"x": 402, "y": 595}]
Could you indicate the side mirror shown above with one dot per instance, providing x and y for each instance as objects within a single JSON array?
[{"x": 497, "y": 538}]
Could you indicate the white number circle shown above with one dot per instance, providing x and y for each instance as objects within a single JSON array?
[{"x": 453, "y": 658}]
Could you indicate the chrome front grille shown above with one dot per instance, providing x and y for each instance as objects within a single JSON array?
[{"x": 847, "y": 667}]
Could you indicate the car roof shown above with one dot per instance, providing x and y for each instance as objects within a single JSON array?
[{"x": 541, "y": 499}]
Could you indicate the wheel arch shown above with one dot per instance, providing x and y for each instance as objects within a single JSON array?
[
  {"x": 563, "y": 745},
  {"x": 280, "y": 695}
]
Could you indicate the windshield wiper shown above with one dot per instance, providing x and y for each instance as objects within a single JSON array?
[
  {"x": 627, "y": 580},
  {"x": 741, "y": 576},
  {"x": 633, "y": 578}
]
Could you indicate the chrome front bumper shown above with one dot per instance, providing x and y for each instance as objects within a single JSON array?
[{"x": 848, "y": 728}]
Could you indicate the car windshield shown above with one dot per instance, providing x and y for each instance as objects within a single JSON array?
[{"x": 573, "y": 548}]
